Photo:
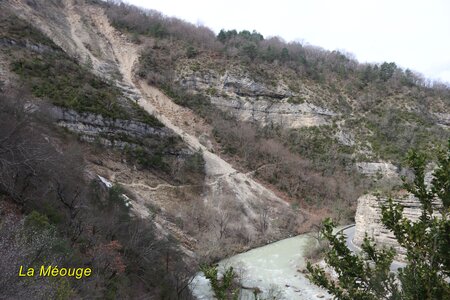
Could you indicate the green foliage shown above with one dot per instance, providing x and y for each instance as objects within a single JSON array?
[
  {"x": 427, "y": 242},
  {"x": 197, "y": 102},
  {"x": 11, "y": 27},
  {"x": 67, "y": 84},
  {"x": 359, "y": 277},
  {"x": 51, "y": 74},
  {"x": 116, "y": 198},
  {"x": 147, "y": 159},
  {"x": 284, "y": 55},
  {"x": 318, "y": 144},
  {"x": 191, "y": 52},
  {"x": 224, "y": 288},
  {"x": 64, "y": 290},
  {"x": 212, "y": 91},
  {"x": 37, "y": 221},
  {"x": 195, "y": 163},
  {"x": 269, "y": 54},
  {"x": 395, "y": 131},
  {"x": 250, "y": 50},
  {"x": 141, "y": 115},
  {"x": 387, "y": 70},
  {"x": 226, "y": 35},
  {"x": 296, "y": 100}
]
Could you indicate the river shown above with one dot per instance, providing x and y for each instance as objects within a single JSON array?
[{"x": 272, "y": 268}]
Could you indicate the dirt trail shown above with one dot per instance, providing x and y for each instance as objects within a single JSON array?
[
  {"x": 222, "y": 180},
  {"x": 157, "y": 103},
  {"x": 152, "y": 99}
]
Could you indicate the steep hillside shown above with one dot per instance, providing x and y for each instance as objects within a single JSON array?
[
  {"x": 322, "y": 111},
  {"x": 76, "y": 70},
  {"x": 142, "y": 146}
]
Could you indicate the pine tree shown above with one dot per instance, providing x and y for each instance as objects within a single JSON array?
[{"x": 427, "y": 244}]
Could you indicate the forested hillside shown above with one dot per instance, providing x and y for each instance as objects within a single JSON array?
[
  {"x": 308, "y": 115},
  {"x": 143, "y": 146}
]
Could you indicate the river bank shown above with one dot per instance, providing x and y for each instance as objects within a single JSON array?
[{"x": 274, "y": 269}]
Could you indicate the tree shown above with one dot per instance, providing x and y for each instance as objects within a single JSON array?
[
  {"x": 224, "y": 36},
  {"x": 284, "y": 55},
  {"x": 427, "y": 244},
  {"x": 250, "y": 50},
  {"x": 224, "y": 288},
  {"x": 387, "y": 70},
  {"x": 191, "y": 52}
]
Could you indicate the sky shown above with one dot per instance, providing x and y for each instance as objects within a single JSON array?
[{"x": 413, "y": 34}]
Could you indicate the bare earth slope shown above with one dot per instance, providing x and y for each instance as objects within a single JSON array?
[
  {"x": 221, "y": 176},
  {"x": 235, "y": 201}
]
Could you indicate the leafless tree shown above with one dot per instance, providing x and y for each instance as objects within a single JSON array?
[
  {"x": 262, "y": 224},
  {"x": 222, "y": 222}
]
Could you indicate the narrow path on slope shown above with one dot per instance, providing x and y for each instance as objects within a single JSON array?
[{"x": 158, "y": 104}]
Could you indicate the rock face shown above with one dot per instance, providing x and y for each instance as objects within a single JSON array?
[
  {"x": 282, "y": 113},
  {"x": 443, "y": 119},
  {"x": 368, "y": 220},
  {"x": 345, "y": 138},
  {"x": 374, "y": 168},
  {"x": 253, "y": 101},
  {"x": 38, "y": 48},
  {"x": 231, "y": 82},
  {"x": 108, "y": 132}
]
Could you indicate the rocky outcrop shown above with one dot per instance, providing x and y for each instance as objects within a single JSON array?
[
  {"x": 252, "y": 101},
  {"x": 345, "y": 138},
  {"x": 38, "y": 48},
  {"x": 231, "y": 83},
  {"x": 282, "y": 113},
  {"x": 109, "y": 132},
  {"x": 443, "y": 119},
  {"x": 368, "y": 219},
  {"x": 247, "y": 87},
  {"x": 384, "y": 169}
]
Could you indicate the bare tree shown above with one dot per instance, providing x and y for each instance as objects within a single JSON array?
[
  {"x": 222, "y": 222},
  {"x": 262, "y": 223}
]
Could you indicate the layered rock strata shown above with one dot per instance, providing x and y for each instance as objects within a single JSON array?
[{"x": 368, "y": 220}]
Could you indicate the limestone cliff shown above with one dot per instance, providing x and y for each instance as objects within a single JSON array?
[
  {"x": 249, "y": 100},
  {"x": 109, "y": 132},
  {"x": 368, "y": 219}
]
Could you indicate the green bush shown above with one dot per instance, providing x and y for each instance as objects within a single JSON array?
[
  {"x": 67, "y": 84},
  {"x": 191, "y": 52},
  {"x": 37, "y": 221}
]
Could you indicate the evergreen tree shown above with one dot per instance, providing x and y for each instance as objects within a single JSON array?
[{"x": 427, "y": 244}]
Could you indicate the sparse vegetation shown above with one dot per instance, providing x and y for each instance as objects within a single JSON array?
[
  {"x": 384, "y": 99},
  {"x": 51, "y": 74},
  {"x": 48, "y": 196},
  {"x": 224, "y": 288},
  {"x": 426, "y": 241},
  {"x": 50, "y": 214},
  {"x": 66, "y": 84}
]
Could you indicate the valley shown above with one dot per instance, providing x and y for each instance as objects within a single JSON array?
[{"x": 146, "y": 148}]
